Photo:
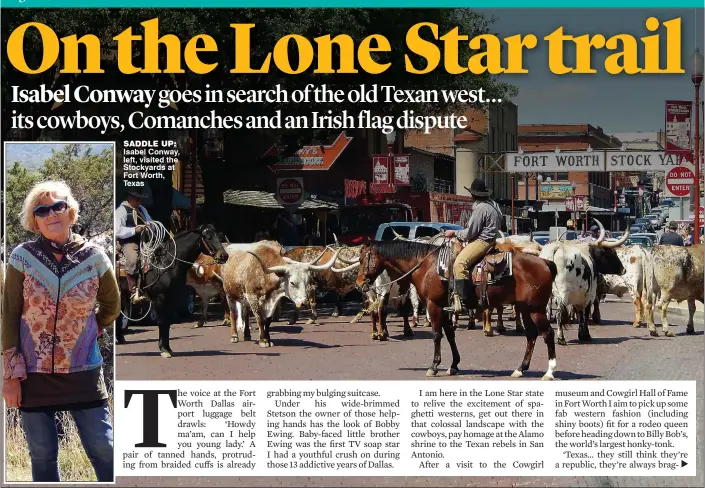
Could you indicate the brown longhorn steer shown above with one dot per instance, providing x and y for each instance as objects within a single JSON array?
[
  {"x": 206, "y": 278},
  {"x": 529, "y": 287}
]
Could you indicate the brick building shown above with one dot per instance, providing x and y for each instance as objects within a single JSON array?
[
  {"x": 555, "y": 187},
  {"x": 490, "y": 132}
]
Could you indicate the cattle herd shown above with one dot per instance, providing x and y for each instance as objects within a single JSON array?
[{"x": 257, "y": 276}]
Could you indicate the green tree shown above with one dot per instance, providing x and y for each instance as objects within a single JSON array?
[
  {"x": 19, "y": 182},
  {"x": 90, "y": 177}
]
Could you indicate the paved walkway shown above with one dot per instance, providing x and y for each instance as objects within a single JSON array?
[{"x": 340, "y": 350}]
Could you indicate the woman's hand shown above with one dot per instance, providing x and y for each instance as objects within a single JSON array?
[
  {"x": 450, "y": 234},
  {"x": 12, "y": 392}
]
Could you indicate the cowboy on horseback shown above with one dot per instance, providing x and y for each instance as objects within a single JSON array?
[
  {"x": 127, "y": 222},
  {"x": 482, "y": 233}
]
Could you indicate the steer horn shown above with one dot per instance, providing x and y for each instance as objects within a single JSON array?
[
  {"x": 600, "y": 240},
  {"x": 328, "y": 265},
  {"x": 611, "y": 245},
  {"x": 345, "y": 270},
  {"x": 274, "y": 269},
  {"x": 503, "y": 238},
  {"x": 397, "y": 236},
  {"x": 335, "y": 238},
  {"x": 319, "y": 257}
]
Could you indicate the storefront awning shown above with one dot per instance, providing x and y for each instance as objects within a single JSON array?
[{"x": 263, "y": 199}]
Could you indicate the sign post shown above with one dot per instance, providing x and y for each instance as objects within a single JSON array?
[
  {"x": 290, "y": 191},
  {"x": 679, "y": 181}
]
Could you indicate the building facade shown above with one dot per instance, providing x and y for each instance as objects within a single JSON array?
[{"x": 555, "y": 189}]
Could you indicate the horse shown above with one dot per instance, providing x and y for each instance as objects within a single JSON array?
[
  {"x": 528, "y": 286},
  {"x": 164, "y": 280}
]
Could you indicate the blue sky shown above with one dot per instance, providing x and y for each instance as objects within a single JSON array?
[
  {"x": 34, "y": 155},
  {"x": 615, "y": 103}
]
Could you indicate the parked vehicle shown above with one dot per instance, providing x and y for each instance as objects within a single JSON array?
[
  {"x": 542, "y": 239},
  {"x": 412, "y": 230},
  {"x": 662, "y": 213},
  {"x": 654, "y": 220},
  {"x": 359, "y": 222},
  {"x": 649, "y": 235},
  {"x": 643, "y": 241},
  {"x": 643, "y": 221},
  {"x": 637, "y": 229}
]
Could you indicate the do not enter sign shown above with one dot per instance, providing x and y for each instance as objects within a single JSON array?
[
  {"x": 290, "y": 191},
  {"x": 679, "y": 180}
]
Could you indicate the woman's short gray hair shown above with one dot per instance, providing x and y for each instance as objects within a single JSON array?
[{"x": 55, "y": 189}]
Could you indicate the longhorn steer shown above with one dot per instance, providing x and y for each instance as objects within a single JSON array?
[
  {"x": 576, "y": 282},
  {"x": 256, "y": 277},
  {"x": 205, "y": 277},
  {"x": 678, "y": 275},
  {"x": 377, "y": 297},
  {"x": 637, "y": 280},
  {"x": 325, "y": 281}
]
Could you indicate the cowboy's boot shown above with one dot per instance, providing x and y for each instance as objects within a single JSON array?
[
  {"x": 460, "y": 296},
  {"x": 135, "y": 296}
]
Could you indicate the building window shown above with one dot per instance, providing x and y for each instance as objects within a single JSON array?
[{"x": 561, "y": 176}]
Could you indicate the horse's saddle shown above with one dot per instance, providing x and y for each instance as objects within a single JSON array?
[
  {"x": 120, "y": 262},
  {"x": 493, "y": 267}
]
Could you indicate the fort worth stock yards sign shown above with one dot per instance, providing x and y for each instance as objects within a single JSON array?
[{"x": 595, "y": 160}]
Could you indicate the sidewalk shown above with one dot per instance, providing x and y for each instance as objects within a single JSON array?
[{"x": 680, "y": 311}]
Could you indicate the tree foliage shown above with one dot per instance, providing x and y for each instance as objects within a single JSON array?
[{"x": 90, "y": 177}]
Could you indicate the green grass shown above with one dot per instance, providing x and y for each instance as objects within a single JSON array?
[{"x": 74, "y": 465}]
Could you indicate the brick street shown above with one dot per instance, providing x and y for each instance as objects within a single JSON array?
[{"x": 336, "y": 349}]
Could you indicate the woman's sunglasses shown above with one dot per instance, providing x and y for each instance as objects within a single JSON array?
[{"x": 42, "y": 211}]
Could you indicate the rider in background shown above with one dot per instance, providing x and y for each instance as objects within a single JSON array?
[
  {"x": 128, "y": 229},
  {"x": 482, "y": 233}
]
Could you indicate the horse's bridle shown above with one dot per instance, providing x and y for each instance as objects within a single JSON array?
[
  {"x": 209, "y": 250},
  {"x": 366, "y": 283}
]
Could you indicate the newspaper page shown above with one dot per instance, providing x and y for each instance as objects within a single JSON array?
[{"x": 353, "y": 243}]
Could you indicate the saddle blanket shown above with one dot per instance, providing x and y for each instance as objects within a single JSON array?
[{"x": 445, "y": 261}]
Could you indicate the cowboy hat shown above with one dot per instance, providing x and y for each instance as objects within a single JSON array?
[
  {"x": 136, "y": 193},
  {"x": 479, "y": 189}
]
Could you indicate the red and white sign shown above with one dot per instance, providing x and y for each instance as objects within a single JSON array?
[
  {"x": 380, "y": 170},
  {"x": 678, "y": 125},
  {"x": 401, "y": 170},
  {"x": 679, "y": 180},
  {"x": 572, "y": 203},
  {"x": 290, "y": 191}
]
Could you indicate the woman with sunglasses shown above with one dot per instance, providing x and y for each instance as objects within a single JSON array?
[{"x": 50, "y": 329}]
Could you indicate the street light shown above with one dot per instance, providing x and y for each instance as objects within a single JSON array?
[
  {"x": 575, "y": 207},
  {"x": 391, "y": 137},
  {"x": 697, "y": 77}
]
